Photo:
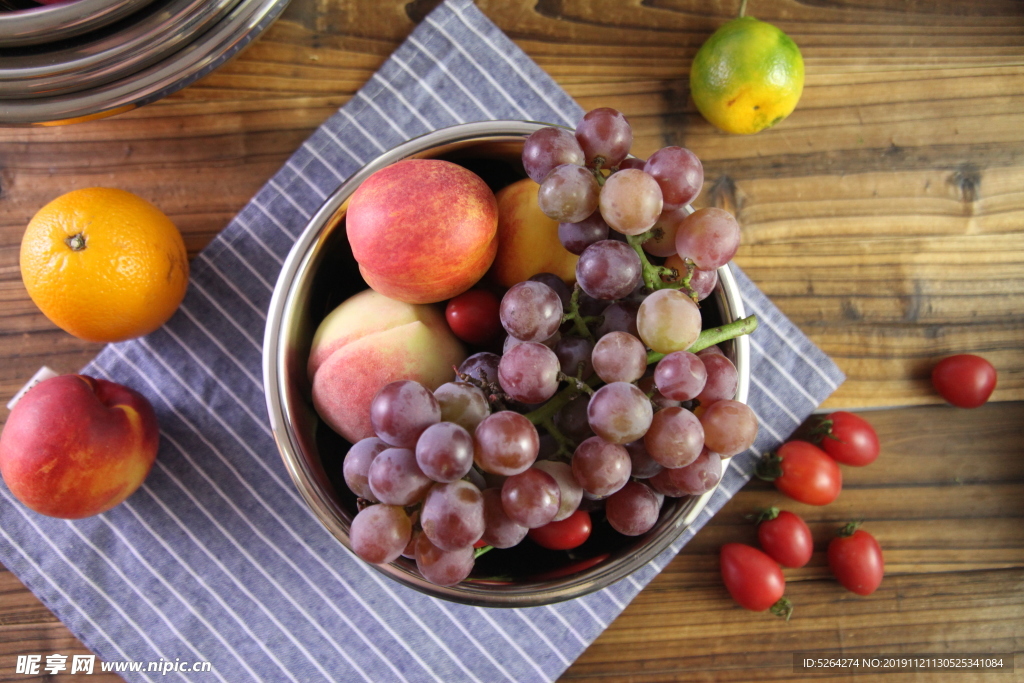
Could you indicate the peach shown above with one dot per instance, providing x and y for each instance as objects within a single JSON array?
[
  {"x": 422, "y": 230},
  {"x": 527, "y": 239},
  {"x": 368, "y": 341},
  {"x": 75, "y": 446}
]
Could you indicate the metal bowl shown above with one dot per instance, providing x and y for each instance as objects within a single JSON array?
[
  {"x": 159, "y": 50},
  {"x": 50, "y": 23},
  {"x": 319, "y": 273}
]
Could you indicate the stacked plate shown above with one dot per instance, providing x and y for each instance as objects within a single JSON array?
[{"x": 86, "y": 59}]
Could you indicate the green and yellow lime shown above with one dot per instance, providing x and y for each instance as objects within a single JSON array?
[{"x": 747, "y": 76}]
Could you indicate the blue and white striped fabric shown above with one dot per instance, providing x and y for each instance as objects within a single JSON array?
[{"x": 217, "y": 558}]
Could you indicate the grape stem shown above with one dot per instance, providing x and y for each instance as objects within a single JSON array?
[
  {"x": 709, "y": 337},
  {"x": 654, "y": 276},
  {"x": 579, "y": 325}
]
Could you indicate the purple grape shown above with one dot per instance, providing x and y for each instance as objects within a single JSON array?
[
  {"x": 644, "y": 466},
  {"x": 630, "y": 201},
  {"x": 709, "y": 237},
  {"x": 482, "y": 367},
  {"x": 531, "y": 311},
  {"x": 601, "y": 468},
  {"x": 722, "y": 379},
  {"x": 556, "y": 283},
  {"x": 531, "y": 498},
  {"x": 619, "y": 413},
  {"x": 576, "y": 237},
  {"x": 380, "y": 533},
  {"x": 609, "y": 270},
  {"x": 401, "y": 411},
  {"x": 620, "y": 357},
  {"x": 452, "y": 515},
  {"x": 396, "y": 479},
  {"x": 568, "y": 194},
  {"x": 356, "y": 467},
  {"x": 528, "y": 372},
  {"x": 574, "y": 357},
  {"x": 500, "y": 530},
  {"x": 679, "y": 174},
  {"x": 618, "y": 317},
  {"x": 633, "y": 509},
  {"x": 547, "y": 148},
  {"x": 675, "y": 437},
  {"x": 604, "y": 134},
  {"x": 506, "y": 443},
  {"x": 443, "y": 567},
  {"x": 445, "y": 452},
  {"x": 681, "y": 376}
]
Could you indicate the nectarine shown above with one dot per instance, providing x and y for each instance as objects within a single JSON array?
[
  {"x": 527, "y": 239},
  {"x": 422, "y": 230},
  {"x": 75, "y": 446}
]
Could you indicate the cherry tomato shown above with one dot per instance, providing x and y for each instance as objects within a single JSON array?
[
  {"x": 473, "y": 316},
  {"x": 855, "y": 559},
  {"x": 964, "y": 380},
  {"x": 803, "y": 472},
  {"x": 566, "y": 534},
  {"x": 850, "y": 439},
  {"x": 753, "y": 579},
  {"x": 785, "y": 537}
]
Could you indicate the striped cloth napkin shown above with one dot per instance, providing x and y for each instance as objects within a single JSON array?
[{"x": 216, "y": 558}]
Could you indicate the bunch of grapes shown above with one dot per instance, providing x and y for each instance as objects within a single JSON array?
[{"x": 606, "y": 397}]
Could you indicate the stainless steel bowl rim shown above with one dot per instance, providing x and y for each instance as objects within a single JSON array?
[
  {"x": 279, "y": 317},
  {"x": 50, "y": 23},
  {"x": 242, "y": 24}
]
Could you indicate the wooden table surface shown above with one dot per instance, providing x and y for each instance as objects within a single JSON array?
[{"x": 885, "y": 217}]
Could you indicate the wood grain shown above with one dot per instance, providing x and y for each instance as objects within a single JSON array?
[{"x": 885, "y": 217}]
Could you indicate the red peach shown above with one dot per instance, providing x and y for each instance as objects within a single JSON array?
[
  {"x": 369, "y": 341},
  {"x": 422, "y": 230},
  {"x": 75, "y": 446}
]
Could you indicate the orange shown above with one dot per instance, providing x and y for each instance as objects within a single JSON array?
[
  {"x": 747, "y": 76},
  {"x": 103, "y": 264}
]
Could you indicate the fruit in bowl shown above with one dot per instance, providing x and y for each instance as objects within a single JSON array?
[{"x": 542, "y": 434}]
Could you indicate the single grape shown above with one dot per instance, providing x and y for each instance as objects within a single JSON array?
[
  {"x": 702, "y": 282},
  {"x": 557, "y": 284},
  {"x": 618, "y": 317},
  {"x": 664, "y": 242},
  {"x": 668, "y": 321},
  {"x": 700, "y": 476},
  {"x": 574, "y": 356},
  {"x": 601, "y": 468},
  {"x": 588, "y": 305},
  {"x": 643, "y": 465},
  {"x": 445, "y": 452},
  {"x": 396, "y": 479},
  {"x": 633, "y": 509},
  {"x": 630, "y": 201},
  {"x": 506, "y": 443},
  {"x": 463, "y": 404},
  {"x": 681, "y": 376},
  {"x": 609, "y": 270},
  {"x": 572, "y": 420},
  {"x": 730, "y": 427},
  {"x": 619, "y": 357},
  {"x": 482, "y": 367},
  {"x": 576, "y": 237},
  {"x": 568, "y": 194},
  {"x": 401, "y": 411},
  {"x": 605, "y": 136},
  {"x": 500, "y": 530},
  {"x": 531, "y": 498},
  {"x": 675, "y": 437},
  {"x": 531, "y": 311},
  {"x": 714, "y": 349},
  {"x": 547, "y": 148},
  {"x": 679, "y": 174},
  {"x": 443, "y": 567},
  {"x": 356, "y": 467},
  {"x": 528, "y": 372},
  {"x": 709, "y": 237},
  {"x": 380, "y": 533},
  {"x": 723, "y": 379},
  {"x": 619, "y": 412},
  {"x": 452, "y": 515},
  {"x": 570, "y": 492}
]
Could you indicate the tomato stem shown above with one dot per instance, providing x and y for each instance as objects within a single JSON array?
[
  {"x": 764, "y": 515},
  {"x": 782, "y": 608},
  {"x": 848, "y": 529},
  {"x": 770, "y": 467}
]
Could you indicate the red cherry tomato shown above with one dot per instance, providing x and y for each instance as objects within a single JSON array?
[
  {"x": 850, "y": 439},
  {"x": 964, "y": 380},
  {"x": 473, "y": 316},
  {"x": 753, "y": 579},
  {"x": 855, "y": 559},
  {"x": 566, "y": 534},
  {"x": 786, "y": 538},
  {"x": 803, "y": 472}
]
